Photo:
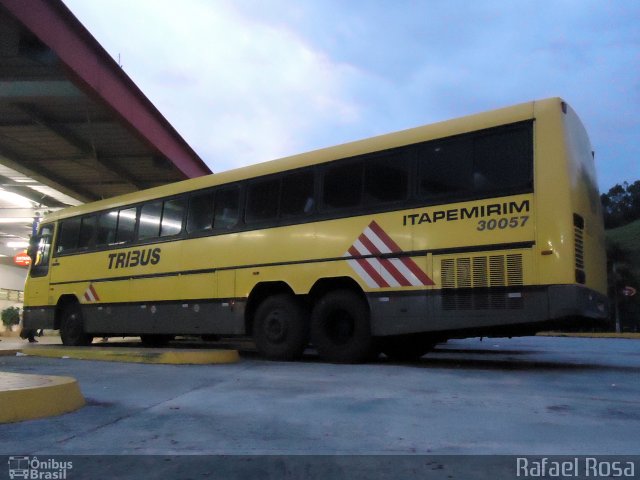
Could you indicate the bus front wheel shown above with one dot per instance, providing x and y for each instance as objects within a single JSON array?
[
  {"x": 280, "y": 328},
  {"x": 72, "y": 327},
  {"x": 340, "y": 328}
]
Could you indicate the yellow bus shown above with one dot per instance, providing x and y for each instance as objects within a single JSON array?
[{"x": 486, "y": 225}]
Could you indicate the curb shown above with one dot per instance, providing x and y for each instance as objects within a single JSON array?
[
  {"x": 134, "y": 355},
  {"x": 26, "y": 397},
  {"x": 9, "y": 353}
]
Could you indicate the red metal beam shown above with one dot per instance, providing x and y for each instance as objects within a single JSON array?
[{"x": 99, "y": 75}]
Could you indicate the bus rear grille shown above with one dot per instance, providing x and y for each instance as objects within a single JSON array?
[
  {"x": 448, "y": 273},
  {"x": 482, "y": 271},
  {"x": 514, "y": 269},
  {"x": 578, "y": 234}
]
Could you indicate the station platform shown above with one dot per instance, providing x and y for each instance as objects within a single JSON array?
[{"x": 27, "y": 397}]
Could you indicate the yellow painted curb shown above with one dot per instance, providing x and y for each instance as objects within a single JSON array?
[
  {"x": 137, "y": 355},
  {"x": 25, "y": 397}
]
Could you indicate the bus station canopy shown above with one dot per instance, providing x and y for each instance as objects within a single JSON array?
[{"x": 73, "y": 126}]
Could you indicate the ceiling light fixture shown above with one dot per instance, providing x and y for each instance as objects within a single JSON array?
[
  {"x": 21, "y": 244},
  {"x": 15, "y": 199},
  {"x": 28, "y": 220}
]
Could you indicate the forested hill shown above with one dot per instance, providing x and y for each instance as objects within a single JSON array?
[{"x": 628, "y": 239}]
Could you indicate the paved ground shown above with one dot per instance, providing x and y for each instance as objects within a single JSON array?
[{"x": 533, "y": 396}]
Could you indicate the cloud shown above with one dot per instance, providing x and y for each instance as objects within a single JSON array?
[
  {"x": 238, "y": 90},
  {"x": 246, "y": 81}
]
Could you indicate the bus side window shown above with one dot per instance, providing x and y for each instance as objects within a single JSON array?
[
  {"x": 503, "y": 161},
  {"x": 172, "y": 215},
  {"x": 342, "y": 185},
  {"x": 87, "y": 232},
  {"x": 69, "y": 235},
  {"x": 126, "y": 225},
  {"x": 297, "y": 194},
  {"x": 200, "y": 215},
  {"x": 227, "y": 208},
  {"x": 262, "y": 201},
  {"x": 445, "y": 169},
  {"x": 150, "y": 216},
  {"x": 107, "y": 223},
  {"x": 386, "y": 179}
]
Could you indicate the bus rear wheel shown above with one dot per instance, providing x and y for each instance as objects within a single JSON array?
[
  {"x": 72, "y": 327},
  {"x": 340, "y": 328},
  {"x": 281, "y": 328}
]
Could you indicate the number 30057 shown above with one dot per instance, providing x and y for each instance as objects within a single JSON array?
[{"x": 502, "y": 223}]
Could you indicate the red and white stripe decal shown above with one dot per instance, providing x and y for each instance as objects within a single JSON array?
[
  {"x": 383, "y": 272},
  {"x": 90, "y": 294}
]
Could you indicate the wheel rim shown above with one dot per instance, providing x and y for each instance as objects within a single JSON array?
[
  {"x": 72, "y": 329},
  {"x": 275, "y": 327}
]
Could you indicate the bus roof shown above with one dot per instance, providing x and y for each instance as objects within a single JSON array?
[{"x": 479, "y": 121}]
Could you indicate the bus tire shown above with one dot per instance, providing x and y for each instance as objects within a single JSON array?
[
  {"x": 340, "y": 328},
  {"x": 72, "y": 327},
  {"x": 406, "y": 348},
  {"x": 281, "y": 328},
  {"x": 156, "y": 340}
]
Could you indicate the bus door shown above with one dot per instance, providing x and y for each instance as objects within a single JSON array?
[{"x": 37, "y": 293}]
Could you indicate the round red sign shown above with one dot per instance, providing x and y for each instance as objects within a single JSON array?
[{"x": 22, "y": 259}]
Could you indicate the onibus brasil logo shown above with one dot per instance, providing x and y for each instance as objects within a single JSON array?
[{"x": 32, "y": 468}]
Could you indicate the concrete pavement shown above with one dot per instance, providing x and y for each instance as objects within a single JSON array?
[
  {"x": 530, "y": 395},
  {"x": 455, "y": 414}
]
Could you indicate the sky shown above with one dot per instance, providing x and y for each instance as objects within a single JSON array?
[{"x": 247, "y": 81}]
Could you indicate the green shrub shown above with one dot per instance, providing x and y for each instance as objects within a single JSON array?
[{"x": 11, "y": 316}]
